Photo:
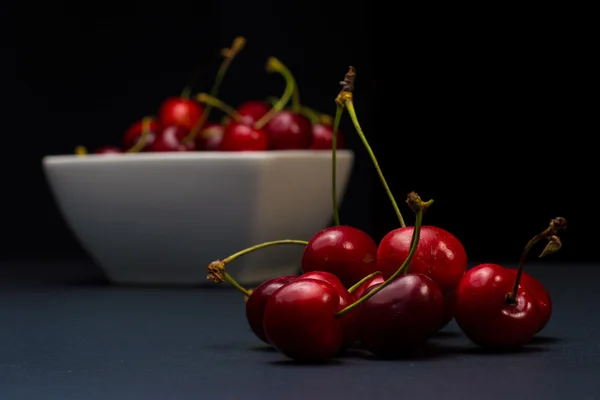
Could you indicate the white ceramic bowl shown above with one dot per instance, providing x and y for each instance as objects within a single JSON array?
[{"x": 161, "y": 218}]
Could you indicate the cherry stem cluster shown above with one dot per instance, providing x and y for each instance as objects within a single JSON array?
[
  {"x": 554, "y": 244},
  {"x": 344, "y": 100},
  {"x": 419, "y": 207},
  {"x": 228, "y": 54}
]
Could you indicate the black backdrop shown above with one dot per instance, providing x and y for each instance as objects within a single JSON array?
[{"x": 489, "y": 113}]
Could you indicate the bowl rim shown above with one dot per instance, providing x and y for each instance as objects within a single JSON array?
[{"x": 192, "y": 155}]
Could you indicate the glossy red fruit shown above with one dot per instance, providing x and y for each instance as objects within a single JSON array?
[
  {"x": 210, "y": 137},
  {"x": 364, "y": 287},
  {"x": 134, "y": 132},
  {"x": 484, "y": 314},
  {"x": 345, "y": 251},
  {"x": 289, "y": 131},
  {"x": 322, "y": 137},
  {"x": 253, "y": 110},
  {"x": 108, "y": 150},
  {"x": 539, "y": 292},
  {"x": 300, "y": 321},
  {"x": 181, "y": 112},
  {"x": 440, "y": 255},
  {"x": 241, "y": 137},
  {"x": 255, "y": 305},
  {"x": 401, "y": 317},
  {"x": 348, "y": 320},
  {"x": 170, "y": 138}
]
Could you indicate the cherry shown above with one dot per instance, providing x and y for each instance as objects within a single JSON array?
[
  {"x": 344, "y": 251},
  {"x": 300, "y": 320},
  {"x": 253, "y": 110},
  {"x": 348, "y": 321},
  {"x": 242, "y": 137},
  {"x": 171, "y": 138},
  {"x": 256, "y": 302},
  {"x": 440, "y": 255},
  {"x": 402, "y": 317},
  {"x": 288, "y": 130},
  {"x": 133, "y": 134},
  {"x": 210, "y": 137},
  {"x": 494, "y": 307},
  {"x": 181, "y": 112}
]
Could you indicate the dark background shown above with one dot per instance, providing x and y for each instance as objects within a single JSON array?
[{"x": 490, "y": 112}]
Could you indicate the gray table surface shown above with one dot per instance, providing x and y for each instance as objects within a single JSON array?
[{"x": 89, "y": 340}]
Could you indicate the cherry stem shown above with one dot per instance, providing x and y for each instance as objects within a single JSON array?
[
  {"x": 205, "y": 98},
  {"x": 216, "y": 269},
  {"x": 139, "y": 145},
  {"x": 419, "y": 207},
  {"x": 344, "y": 99},
  {"x": 338, "y": 116},
  {"x": 363, "y": 280},
  {"x": 228, "y": 54},
  {"x": 554, "y": 244},
  {"x": 274, "y": 65}
]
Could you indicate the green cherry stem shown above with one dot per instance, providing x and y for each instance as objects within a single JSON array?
[
  {"x": 206, "y": 98},
  {"x": 554, "y": 244},
  {"x": 218, "y": 274},
  {"x": 363, "y": 280},
  {"x": 139, "y": 145},
  {"x": 336, "y": 125},
  {"x": 274, "y": 65},
  {"x": 228, "y": 54},
  {"x": 419, "y": 207},
  {"x": 345, "y": 99}
]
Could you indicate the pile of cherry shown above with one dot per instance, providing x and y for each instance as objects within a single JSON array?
[
  {"x": 182, "y": 122},
  {"x": 390, "y": 299}
]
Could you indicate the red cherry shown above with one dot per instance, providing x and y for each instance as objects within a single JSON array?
[
  {"x": 289, "y": 131},
  {"x": 180, "y": 111},
  {"x": 348, "y": 320},
  {"x": 255, "y": 305},
  {"x": 210, "y": 137},
  {"x": 400, "y": 317},
  {"x": 345, "y": 251},
  {"x": 440, "y": 255},
  {"x": 242, "y": 137},
  {"x": 300, "y": 320},
  {"x": 134, "y": 132},
  {"x": 170, "y": 138},
  {"x": 253, "y": 110},
  {"x": 108, "y": 150},
  {"x": 364, "y": 287},
  {"x": 485, "y": 315},
  {"x": 539, "y": 292},
  {"x": 322, "y": 137}
]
